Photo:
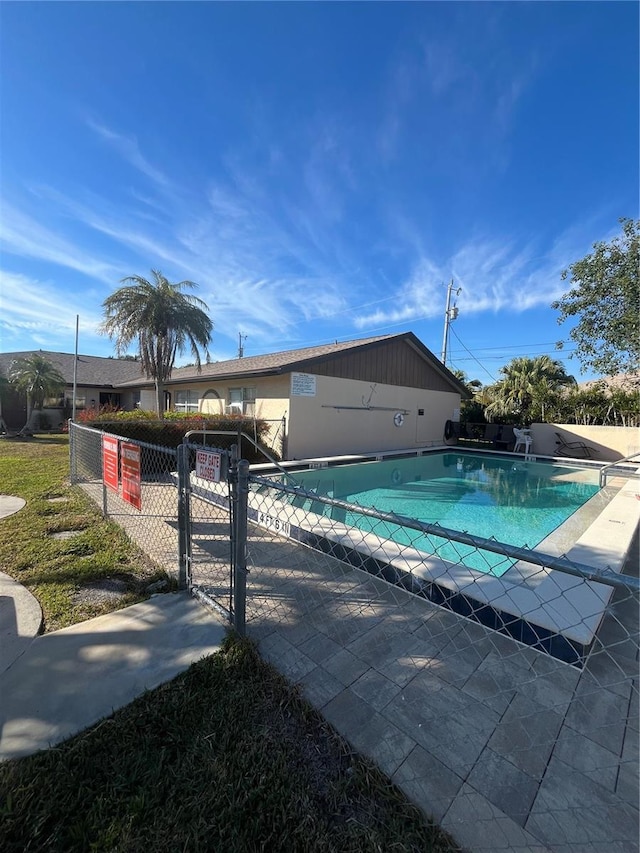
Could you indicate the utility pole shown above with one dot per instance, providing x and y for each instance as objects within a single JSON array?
[
  {"x": 75, "y": 373},
  {"x": 450, "y": 315},
  {"x": 241, "y": 338}
]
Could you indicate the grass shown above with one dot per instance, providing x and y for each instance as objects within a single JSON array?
[
  {"x": 226, "y": 757},
  {"x": 55, "y": 571}
]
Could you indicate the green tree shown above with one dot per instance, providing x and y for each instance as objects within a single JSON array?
[
  {"x": 598, "y": 405},
  {"x": 471, "y": 410},
  {"x": 36, "y": 377},
  {"x": 529, "y": 386},
  {"x": 605, "y": 297},
  {"x": 162, "y": 320}
]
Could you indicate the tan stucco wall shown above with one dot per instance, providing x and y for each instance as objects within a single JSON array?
[
  {"x": 271, "y": 395},
  {"x": 317, "y": 428},
  {"x": 608, "y": 443},
  {"x": 148, "y": 399},
  {"x": 272, "y": 403}
]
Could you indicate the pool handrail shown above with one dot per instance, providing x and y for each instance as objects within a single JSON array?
[
  {"x": 605, "y": 468},
  {"x": 240, "y": 435}
]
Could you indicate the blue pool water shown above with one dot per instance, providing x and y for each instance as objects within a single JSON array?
[{"x": 510, "y": 500}]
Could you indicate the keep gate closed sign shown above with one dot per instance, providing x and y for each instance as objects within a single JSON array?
[{"x": 208, "y": 465}]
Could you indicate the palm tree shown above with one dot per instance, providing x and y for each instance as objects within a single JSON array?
[
  {"x": 163, "y": 321},
  {"x": 474, "y": 386},
  {"x": 36, "y": 377},
  {"x": 529, "y": 384}
]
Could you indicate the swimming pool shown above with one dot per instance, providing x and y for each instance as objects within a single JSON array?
[{"x": 511, "y": 500}]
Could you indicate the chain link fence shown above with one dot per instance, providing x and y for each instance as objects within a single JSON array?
[
  {"x": 211, "y": 531},
  {"x": 506, "y": 706},
  {"x": 150, "y": 517},
  {"x": 184, "y": 523},
  {"x": 497, "y": 686}
]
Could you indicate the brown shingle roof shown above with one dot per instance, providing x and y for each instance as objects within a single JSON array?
[
  {"x": 271, "y": 361},
  {"x": 299, "y": 359},
  {"x": 95, "y": 371},
  {"x": 92, "y": 370}
]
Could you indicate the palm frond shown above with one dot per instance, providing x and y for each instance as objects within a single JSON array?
[{"x": 160, "y": 318}]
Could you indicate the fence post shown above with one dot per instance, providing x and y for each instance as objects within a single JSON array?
[
  {"x": 284, "y": 443},
  {"x": 73, "y": 473},
  {"x": 183, "y": 516},
  {"x": 240, "y": 543}
]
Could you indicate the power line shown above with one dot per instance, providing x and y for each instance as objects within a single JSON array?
[
  {"x": 522, "y": 346},
  {"x": 504, "y": 355},
  {"x": 488, "y": 372}
]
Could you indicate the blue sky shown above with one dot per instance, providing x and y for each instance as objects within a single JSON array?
[{"x": 322, "y": 170}]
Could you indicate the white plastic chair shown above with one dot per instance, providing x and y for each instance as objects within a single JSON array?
[{"x": 523, "y": 439}]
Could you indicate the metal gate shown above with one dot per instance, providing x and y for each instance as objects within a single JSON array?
[{"x": 212, "y": 512}]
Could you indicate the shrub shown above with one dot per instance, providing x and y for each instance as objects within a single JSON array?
[{"x": 169, "y": 432}]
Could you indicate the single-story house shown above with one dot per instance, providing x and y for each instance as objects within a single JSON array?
[
  {"x": 96, "y": 381},
  {"x": 381, "y": 393}
]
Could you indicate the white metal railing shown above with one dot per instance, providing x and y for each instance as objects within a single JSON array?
[{"x": 606, "y": 468}]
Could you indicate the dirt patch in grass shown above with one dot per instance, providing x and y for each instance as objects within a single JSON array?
[{"x": 97, "y": 592}]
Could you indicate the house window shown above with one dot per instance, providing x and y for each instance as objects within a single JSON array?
[
  {"x": 108, "y": 398},
  {"x": 186, "y": 401},
  {"x": 53, "y": 402},
  {"x": 81, "y": 402},
  {"x": 242, "y": 401}
]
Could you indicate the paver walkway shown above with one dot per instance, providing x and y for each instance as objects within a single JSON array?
[{"x": 508, "y": 748}]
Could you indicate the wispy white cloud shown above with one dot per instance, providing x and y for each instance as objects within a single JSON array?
[
  {"x": 39, "y": 308},
  {"x": 24, "y": 236},
  {"x": 129, "y": 149},
  {"x": 256, "y": 271},
  {"x": 418, "y": 297},
  {"x": 455, "y": 97},
  {"x": 269, "y": 240},
  {"x": 446, "y": 69},
  {"x": 494, "y": 276}
]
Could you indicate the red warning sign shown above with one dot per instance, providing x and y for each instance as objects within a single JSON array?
[
  {"x": 110, "y": 462},
  {"x": 130, "y": 472}
]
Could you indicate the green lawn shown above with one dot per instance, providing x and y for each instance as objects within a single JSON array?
[
  {"x": 56, "y": 570},
  {"x": 227, "y": 757}
]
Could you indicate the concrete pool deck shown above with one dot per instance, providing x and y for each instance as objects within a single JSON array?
[{"x": 506, "y": 747}]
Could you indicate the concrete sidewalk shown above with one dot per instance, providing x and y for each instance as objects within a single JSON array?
[
  {"x": 67, "y": 680},
  {"x": 20, "y": 612},
  {"x": 20, "y": 620}
]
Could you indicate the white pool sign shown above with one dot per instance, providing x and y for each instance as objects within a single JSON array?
[
  {"x": 208, "y": 465},
  {"x": 303, "y": 385}
]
